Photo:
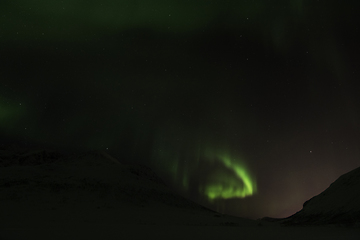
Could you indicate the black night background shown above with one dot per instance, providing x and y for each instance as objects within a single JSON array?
[{"x": 249, "y": 107}]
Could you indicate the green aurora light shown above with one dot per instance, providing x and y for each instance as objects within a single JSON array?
[
  {"x": 68, "y": 20},
  {"x": 238, "y": 185},
  {"x": 8, "y": 113},
  {"x": 224, "y": 175}
]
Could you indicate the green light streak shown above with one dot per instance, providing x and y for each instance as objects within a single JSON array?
[{"x": 185, "y": 181}]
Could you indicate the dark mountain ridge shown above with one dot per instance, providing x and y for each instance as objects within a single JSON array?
[{"x": 338, "y": 204}]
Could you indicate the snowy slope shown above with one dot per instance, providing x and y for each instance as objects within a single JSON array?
[
  {"x": 42, "y": 186},
  {"x": 339, "y": 203}
]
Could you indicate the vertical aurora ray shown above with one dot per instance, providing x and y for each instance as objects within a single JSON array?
[{"x": 9, "y": 113}]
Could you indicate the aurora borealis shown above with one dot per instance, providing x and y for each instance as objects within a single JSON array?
[
  {"x": 248, "y": 107},
  {"x": 223, "y": 176}
]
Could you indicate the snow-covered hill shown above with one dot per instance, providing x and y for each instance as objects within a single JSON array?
[
  {"x": 338, "y": 204},
  {"x": 43, "y": 186}
]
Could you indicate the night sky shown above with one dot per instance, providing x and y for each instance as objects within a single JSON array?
[{"x": 248, "y": 107}]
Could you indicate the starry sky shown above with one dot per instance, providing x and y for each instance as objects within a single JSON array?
[{"x": 248, "y": 107}]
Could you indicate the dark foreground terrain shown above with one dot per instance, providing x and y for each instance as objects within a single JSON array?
[
  {"x": 339, "y": 204},
  {"x": 48, "y": 195}
]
